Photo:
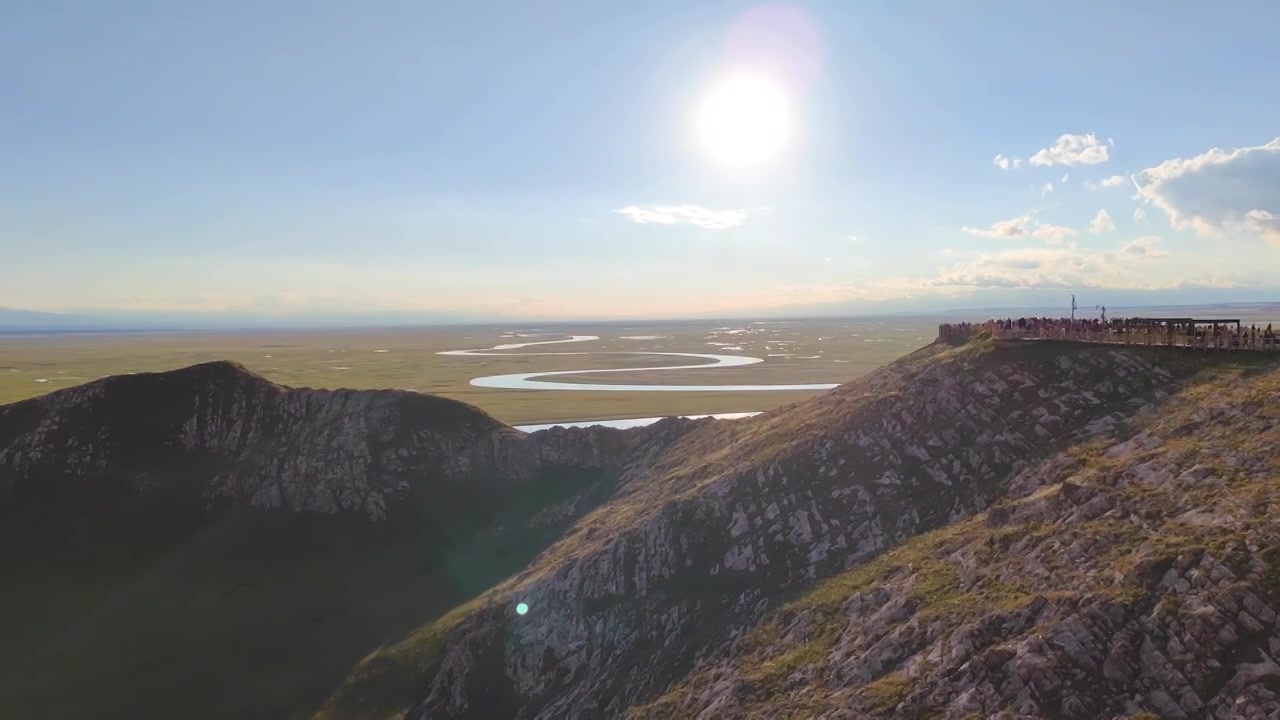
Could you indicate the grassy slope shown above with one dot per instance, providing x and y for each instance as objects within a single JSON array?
[
  {"x": 251, "y": 615},
  {"x": 925, "y": 570},
  {"x": 380, "y": 681}
]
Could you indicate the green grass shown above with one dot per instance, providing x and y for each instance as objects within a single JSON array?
[
  {"x": 773, "y": 672},
  {"x": 308, "y": 359},
  {"x": 936, "y": 590},
  {"x": 884, "y": 694}
]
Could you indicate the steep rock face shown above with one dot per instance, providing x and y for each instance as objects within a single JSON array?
[
  {"x": 227, "y": 435},
  {"x": 1123, "y": 576},
  {"x": 518, "y": 455},
  {"x": 701, "y": 542}
]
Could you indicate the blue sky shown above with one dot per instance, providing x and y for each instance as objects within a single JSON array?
[{"x": 539, "y": 158}]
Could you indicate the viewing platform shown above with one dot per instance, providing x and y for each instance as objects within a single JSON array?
[{"x": 1209, "y": 334}]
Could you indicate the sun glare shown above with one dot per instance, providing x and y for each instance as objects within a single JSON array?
[{"x": 744, "y": 121}]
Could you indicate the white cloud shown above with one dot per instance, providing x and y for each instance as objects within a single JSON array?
[
  {"x": 854, "y": 238},
  {"x": 1101, "y": 222},
  {"x": 691, "y": 214},
  {"x": 1139, "y": 215},
  {"x": 1073, "y": 150},
  {"x": 1006, "y": 163},
  {"x": 1262, "y": 216},
  {"x": 1046, "y": 189},
  {"x": 1213, "y": 281},
  {"x": 1004, "y": 230},
  {"x": 1219, "y": 193},
  {"x": 1106, "y": 182},
  {"x": 1143, "y": 248},
  {"x": 1053, "y": 234},
  {"x": 1056, "y": 267},
  {"x": 1031, "y": 267},
  {"x": 1065, "y": 177},
  {"x": 1021, "y": 227}
]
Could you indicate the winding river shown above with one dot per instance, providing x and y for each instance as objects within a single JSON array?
[{"x": 533, "y": 381}]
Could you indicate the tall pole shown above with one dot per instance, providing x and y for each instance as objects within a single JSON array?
[{"x": 1073, "y": 311}]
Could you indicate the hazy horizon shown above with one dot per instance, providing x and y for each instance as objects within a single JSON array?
[
  {"x": 656, "y": 160},
  {"x": 25, "y": 322}
]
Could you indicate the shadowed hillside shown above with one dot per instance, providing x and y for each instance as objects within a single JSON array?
[{"x": 203, "y": 543}]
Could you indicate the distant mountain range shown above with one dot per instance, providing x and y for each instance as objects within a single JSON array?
[{"x": 16, "y": 320}]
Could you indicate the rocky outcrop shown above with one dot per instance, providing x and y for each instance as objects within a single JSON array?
[
  {"x": 627, "y": 452},
  {"x": 735, "y": 516},
  {"x": 224, "y": 435}
]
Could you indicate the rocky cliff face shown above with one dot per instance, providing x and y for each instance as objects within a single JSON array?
[
  {"x": 227, "y": 435},
  {"x": 671, "y": 589},
  {"x": 1131, "y": 576}
]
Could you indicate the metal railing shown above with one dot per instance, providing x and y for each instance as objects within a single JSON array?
[{"x": 1120, "y": 335}]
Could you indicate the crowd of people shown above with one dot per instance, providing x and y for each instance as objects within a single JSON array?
[{"x": 1124, "y": 331}]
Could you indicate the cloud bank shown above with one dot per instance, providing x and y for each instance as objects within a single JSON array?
[{"x": 1219, "y": 193}]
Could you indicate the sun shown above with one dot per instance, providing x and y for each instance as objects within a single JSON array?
[{"x": 744, "y": 121}]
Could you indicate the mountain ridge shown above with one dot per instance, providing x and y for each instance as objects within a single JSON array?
[
  {"x": 207, "y": 530},
  {"x": 260, "y": 443},
  {"x": 1125, "y": 575},
  {"x": 882, "y": 471}
]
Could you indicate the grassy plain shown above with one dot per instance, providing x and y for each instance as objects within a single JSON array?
[{"x": 805, "y": 351}]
